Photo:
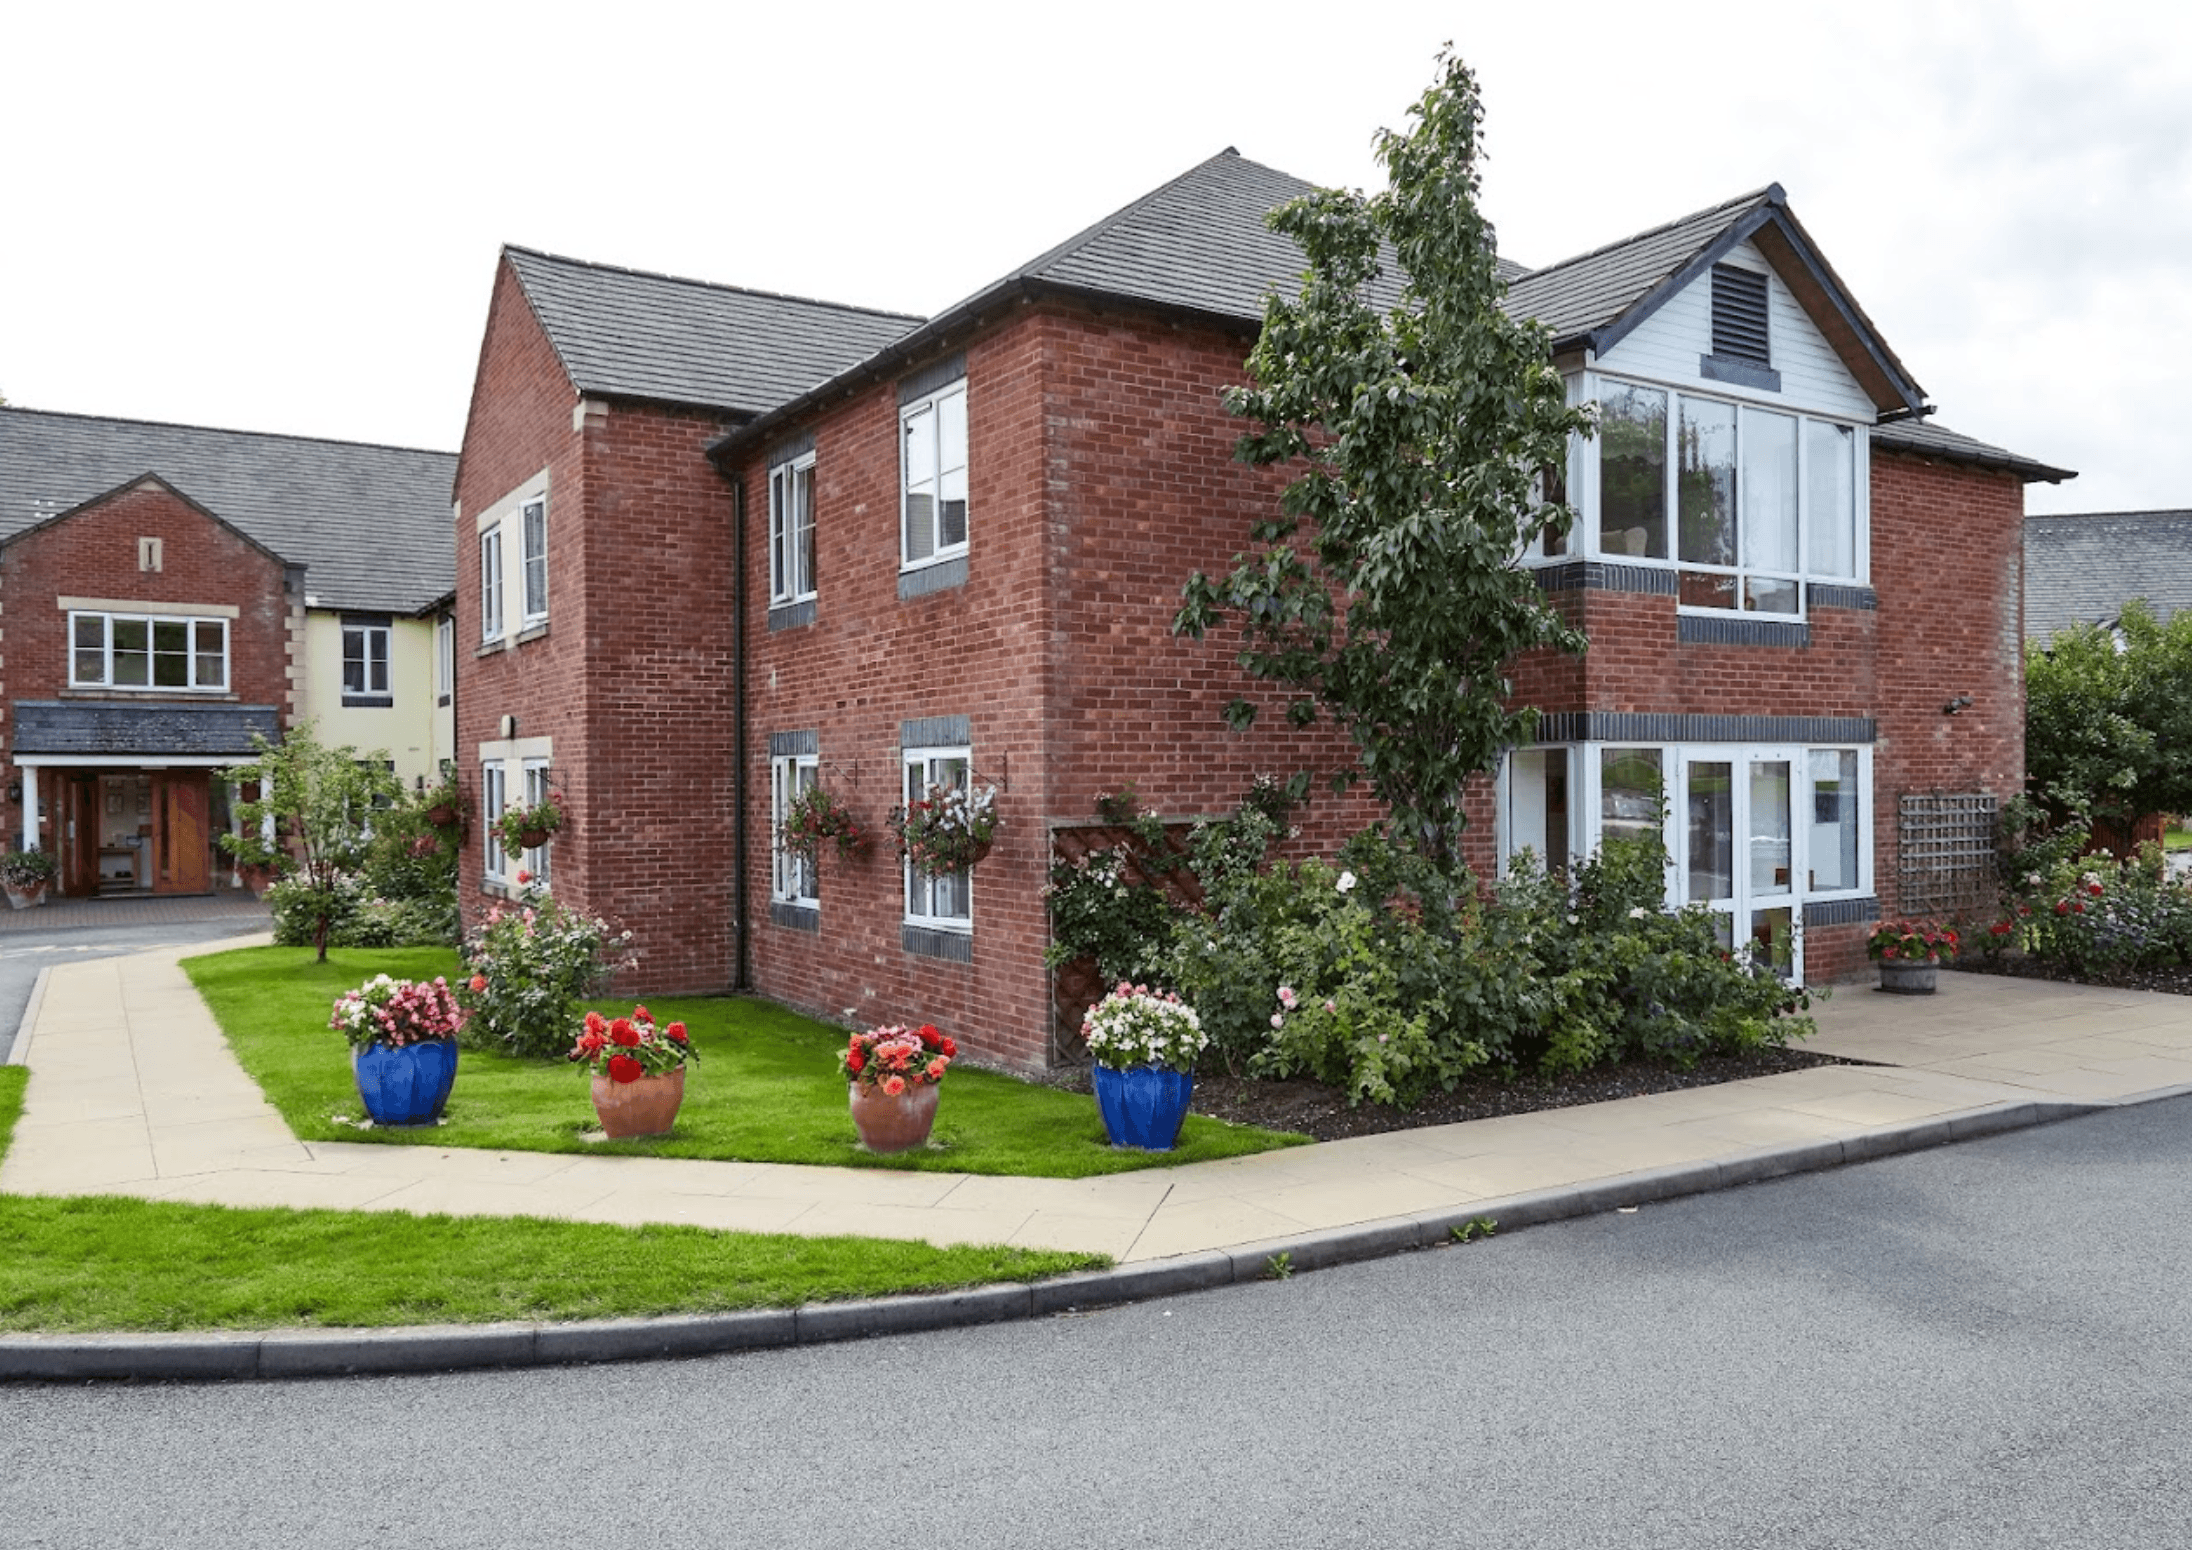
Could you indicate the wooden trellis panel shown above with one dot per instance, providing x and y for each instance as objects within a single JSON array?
[{"x": 1947, "y": 843}]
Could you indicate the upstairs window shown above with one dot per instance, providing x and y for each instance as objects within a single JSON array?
[
  {"x": 1749, "y": 502},
  {"x": 365, "y": 662},
  {"x": 146, "y": 651},
  {"x": 933, "y": 477},
  {"x": 491, "y": 584},
  {"x": 534, "y": 524},
  {"x": 791, "y": 531}
]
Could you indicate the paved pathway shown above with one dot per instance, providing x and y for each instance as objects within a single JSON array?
[{"x": 133, "y": 1091}]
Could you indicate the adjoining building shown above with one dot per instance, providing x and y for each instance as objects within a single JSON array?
[
  {"x": 786, "y": 543},
  {"x": 2083, "y": 568},
  {"x": 167, "y": 591}
]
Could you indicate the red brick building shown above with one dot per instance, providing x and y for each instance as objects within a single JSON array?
[
  {"x": 161, "y": 588},
  {"x": 951, "y": 555}
]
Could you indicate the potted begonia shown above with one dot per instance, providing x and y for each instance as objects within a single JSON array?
[
  {"x": 948, "y": 830},
  {"x": 1144, "y": 1043},
  {"x": 893, "y": 1077},
  {"x": 1908, "y": 953},
  {"x": 403, "y": 1046},
  {"x": 639, "y": 1071}
]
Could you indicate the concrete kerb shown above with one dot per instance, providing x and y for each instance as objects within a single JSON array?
[
  {"x": 333, "y": 1353},
  {"x": 19, "y": 1046}
]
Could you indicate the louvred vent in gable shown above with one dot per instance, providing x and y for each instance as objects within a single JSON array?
[{"x": 1739, "y": 315}]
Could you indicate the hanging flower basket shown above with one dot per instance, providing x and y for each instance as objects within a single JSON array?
[
  {"x": 818, "y": 815},
  {"x": 948, "y": 830},
  {"x": 521, "y": 828}
]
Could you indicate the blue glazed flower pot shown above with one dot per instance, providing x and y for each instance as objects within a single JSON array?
[
  {"x": 406, "y": 1086},
  {"x": 1144, "y": 1107}
]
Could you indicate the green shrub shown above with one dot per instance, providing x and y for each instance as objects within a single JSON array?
[{"x": 527, "y": 967}]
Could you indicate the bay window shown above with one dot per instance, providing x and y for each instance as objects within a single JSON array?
[{"x": 1747, "y": 503}]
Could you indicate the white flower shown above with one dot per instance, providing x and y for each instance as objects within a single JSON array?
[
  {"x": 1286, "y": 997},
  {"x": 1278, "y": 1019},
  {"x": 1347, "y": 882},
  {"x": 1573, "y": 919},
  {"x": 1637, "y": 912}
]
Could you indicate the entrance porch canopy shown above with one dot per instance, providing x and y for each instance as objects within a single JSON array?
[{"x": 99, "y": 734}]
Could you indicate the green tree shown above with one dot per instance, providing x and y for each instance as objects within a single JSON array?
[
  {"x": 2108, "y": 718},
  {"x": 1386, "y": 592},
  {"x": 321, "y": 803}
]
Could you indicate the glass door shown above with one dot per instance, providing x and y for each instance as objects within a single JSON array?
[{"x": 1739, "y": 850}]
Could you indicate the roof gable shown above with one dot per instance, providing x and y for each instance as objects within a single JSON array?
[
  {"x": 1595, "y": 300},
  {"x": 141, "y": 482},
  {"x": 625, "y": 333},
  {"x": 370, "y": 524}
]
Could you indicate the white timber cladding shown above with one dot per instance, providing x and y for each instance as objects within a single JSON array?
[
  {"x": 521, "y": 571},
  {"x": 1666, "y": 346}
]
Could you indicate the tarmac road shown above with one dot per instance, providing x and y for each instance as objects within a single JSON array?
[{"x": 1980, "y": 1345}]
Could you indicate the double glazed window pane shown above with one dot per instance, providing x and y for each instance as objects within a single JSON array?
[
  {"x": 1629, "y": 791},
  {"x": 920, "y": 433},
  {"x": 536, "y": 559},
  {"x": 1632, "y": 471},
  {"x": 935, "y": 464},
  {"x": 1705, "y": 481},
  {"x": 951, "y": 896},
  {"x": 91, "y": 649},
  {"x": 951, "y": 459},
  {"x": 1833, "y": 819},
  {"x": 1830, "y": 476},
  {"x": 791, "y": 533},
  {"x": 1538, "y": 805},
  {"x": 1769, "y": 837},
  {"x": 1711, "y": 802},
  {"x": 210, "y": 646}
]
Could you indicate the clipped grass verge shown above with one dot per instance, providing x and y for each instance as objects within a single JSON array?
[
  {"x": 766, "y": 1088},
  {"x": 107, "y": 1263}
]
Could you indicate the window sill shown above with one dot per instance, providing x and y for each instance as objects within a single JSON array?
[
  {"x": 532, "y": 631},
  {"x": 930, "y": 942},
  {"x": 488, "y": 648},
  {"x": 1716, "y": 629},
  {"x": 935, "y": 576},
  {"x": 791, "y": 616},
  {"x": 133, "y": 692},
  {"x": 794, "y": 916}
]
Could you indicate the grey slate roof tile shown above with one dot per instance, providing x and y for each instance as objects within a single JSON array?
[
  {"x": 371, "y": 525},
  {"x": 108, "y": 727},
  {"x": 1592, "y": 289},
  {"x": 1929, "y": 439},
  {"x": 2082, "y": 569},
  {"x": 627, "y": 333}
]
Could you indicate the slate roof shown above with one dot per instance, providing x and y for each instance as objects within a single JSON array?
[
  {"x": 205, "y": 731},
  {"x": 370, "y": 524},
  {"x": 1580, "y": 295},
  {"x": 2083, "y": 569},
  {"x": 1931, "y": 440},
  {"x": 629, "y": 334}
]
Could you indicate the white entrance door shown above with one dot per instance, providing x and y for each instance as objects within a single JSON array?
[{"x": 1741, "y": 851}]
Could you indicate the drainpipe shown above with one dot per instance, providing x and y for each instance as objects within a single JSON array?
[{"x": 741, "y": 977}]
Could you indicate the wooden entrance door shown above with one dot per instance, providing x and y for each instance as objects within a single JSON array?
[
  {"x": 179, "y": 855},
  {"x": 75, "y": 833}
]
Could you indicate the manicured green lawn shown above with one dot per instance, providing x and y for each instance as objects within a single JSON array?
[
  {"x": 110, "y": 1263},
  {"x": 765, "y": 1089},
  {"x": 2177, "y": 839}
]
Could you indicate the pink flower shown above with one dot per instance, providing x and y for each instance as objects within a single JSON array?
[
  {"x": 524, "y": 877},
  {"x": 1278, "y": 1019},
  {"x": 1287, "y": 997},
  {"x": 894, "y": 1085}
]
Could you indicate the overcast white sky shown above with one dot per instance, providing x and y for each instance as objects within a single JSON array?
[{"x": 285, "y": 217}]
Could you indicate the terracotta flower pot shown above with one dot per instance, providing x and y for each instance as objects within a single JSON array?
[
  {"x": 532, "y": 839},
  {"x": 28, "y": 896},
  {"x": 1908, "y": 976},
  {"x": 888, "y": 1124},
  {"x": 647, "y": 1107}
]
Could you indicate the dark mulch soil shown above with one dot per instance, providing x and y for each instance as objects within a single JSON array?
[
  {"x": 1322, "y": 1112},
  {"x": 2174, "y": 979}
]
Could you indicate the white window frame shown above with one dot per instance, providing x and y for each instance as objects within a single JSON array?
[
  {"x": 1585, "y": 820},
  {"x": 445, "y": 658},
  {"x": 532, "y": 522},
  {"x": 491, "y": 583},
  {"x": 192, "y": 624},
  {"x": 368, "y": 635},
  {"x": 1585, "y": 539},
  {"x": 792, "y": 877},
  {"x": 934, "y": 405},
  {"x": 936, "y": 766},
  {"x": 494, "y": 800},
  {"x": 533, "y": 778},
  {"x": 791, "y": 562}
]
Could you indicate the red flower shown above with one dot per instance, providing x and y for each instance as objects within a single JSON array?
[
  {"x": 676, "y": 1031},
  {"x": 622, "y": 1032},
  {"x": 2062, "y": 906},
  {"x": 2094, "y": 889},
  {"x": 524, "y": 877},
  {"x": 640, "y": 1015},
  {"x": 951, "y": 1050},
  {"x": 2078, "y": 905},
  {"x": 623, "y": 1068},
  {"x": 479, "y": 982},
  {"x": 855, "y": 1061},
  {"x": 2001, "y": 928},
  {"x": 596, "y": 1023},
  {"x": 929, "y": 1035},
  {"x": 1888, "y": 952}
]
